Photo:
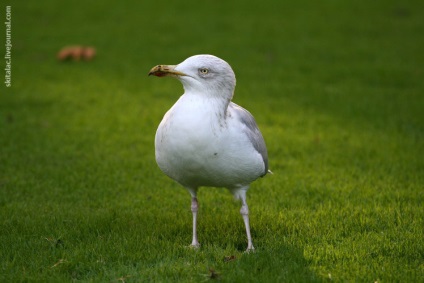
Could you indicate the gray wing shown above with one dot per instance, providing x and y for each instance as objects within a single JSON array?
[{"x": 252, "y": 131}]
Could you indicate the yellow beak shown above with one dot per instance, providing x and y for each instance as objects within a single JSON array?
[{"x": 165, "y": 70}]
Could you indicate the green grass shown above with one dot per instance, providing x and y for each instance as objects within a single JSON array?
[{"x": 336, "y": 87}]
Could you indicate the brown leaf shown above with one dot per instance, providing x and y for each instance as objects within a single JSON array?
[
  {"x": 229, "y": 258},
  {"x": 76, "y": 53}
]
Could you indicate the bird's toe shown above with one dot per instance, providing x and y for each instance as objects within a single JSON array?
[
  {"x": 250, "y": 250},
  {"x": 195, "y": 246}
]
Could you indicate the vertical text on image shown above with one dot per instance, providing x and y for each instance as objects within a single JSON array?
[{"x": 8, "y": 48}]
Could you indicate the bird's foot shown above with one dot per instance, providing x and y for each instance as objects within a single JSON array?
[
  {"x": 195, "y": 246},
  {"x": 250, "y": 249}
]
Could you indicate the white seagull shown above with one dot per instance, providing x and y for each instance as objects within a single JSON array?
[{"x": 207, "y": 140}]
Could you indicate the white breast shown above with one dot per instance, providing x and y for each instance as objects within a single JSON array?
[{"x": 197, "y": 146}]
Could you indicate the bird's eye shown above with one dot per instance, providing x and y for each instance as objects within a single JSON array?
[{"x": 203, "y": 71}]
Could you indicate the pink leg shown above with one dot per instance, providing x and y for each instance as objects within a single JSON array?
[
  {"x": 244, "y": 211},
  {"x": 194, "y": 208}
]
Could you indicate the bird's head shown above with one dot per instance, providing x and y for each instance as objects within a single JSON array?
[{"x": 206, "y": 74}]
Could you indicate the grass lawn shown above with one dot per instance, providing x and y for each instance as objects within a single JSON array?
[{"x": 336, "y": 87}]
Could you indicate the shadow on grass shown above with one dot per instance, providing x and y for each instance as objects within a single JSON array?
[
  {"x": 276, "y": 264},
  {"x": 223, "y": 250},
  {"x": 266, "y": 264}
]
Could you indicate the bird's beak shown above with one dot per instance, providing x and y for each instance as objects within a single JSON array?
[{"x": 165, "y": 70}]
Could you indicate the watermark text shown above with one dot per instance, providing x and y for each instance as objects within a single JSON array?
[{"x": 8, "y": 49}]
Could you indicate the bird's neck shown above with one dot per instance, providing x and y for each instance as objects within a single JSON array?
[{"x": 209, "y": 103}]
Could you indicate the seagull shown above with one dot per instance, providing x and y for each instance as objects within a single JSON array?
[{"x": 205, "y": 140}]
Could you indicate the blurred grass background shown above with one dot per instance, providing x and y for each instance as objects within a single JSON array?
[{"x": 336, "y": 88}]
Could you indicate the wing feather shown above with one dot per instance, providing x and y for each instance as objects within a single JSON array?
[{"x": 252, "y": 131}]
